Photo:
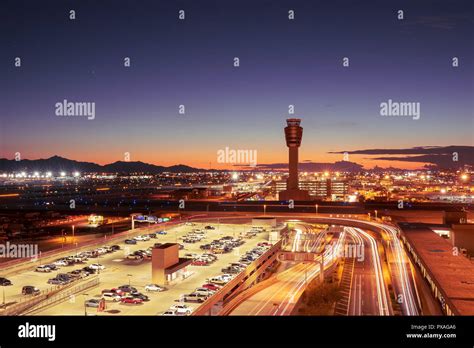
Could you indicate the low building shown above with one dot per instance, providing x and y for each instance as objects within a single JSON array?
[{"x": 166, "y": 265}]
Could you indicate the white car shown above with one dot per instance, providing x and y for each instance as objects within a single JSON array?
[
  {"x": 43, "y": 268},
  {"x": 110, "y": 296},
  {"x": 204, "y": 291},
  {"x": 146, "y": 237},
  {"x": 181, "y": 309},
  {"x": 226, "y": 277},
  {"x": 101, "y": 250},
  {"x": 154, "y": 287},
  {"x": 189, "y": 224},
  {"x": 60, "y": 263},
  {"x": 139, "y": 238},
  {"x": 96, "y": 266}
]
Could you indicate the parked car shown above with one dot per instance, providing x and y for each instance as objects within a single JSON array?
[
  {"x": 204, "y": 291},
  {"x": 96, "y": 266},
  {"x": 56, "y": 281},
  {"x": 61, "y": 263},
  {"x": 30, "y": 290},
  {"x": 110, "y": 296},
  {"x": 152, "y": 235},
  {"x": 231, "y": 270},
  {"x": 181, "y": 309},
  {"x": 210, "y": 286},
  {"x": 92, "y": 303},
  {"x": 43, "y": 268},
  {"x": 199, "y": 263},
  {"x": 134, "y": 257},
  {"x": 218, "y": 281},
  {"x": 79, "y": 273},
  {"x": 130, "y": 241},
  {"x": 139, "y": 295},
  {"x": 89, "y": 270},
  {"x": 154, "y": 287},
  {"x": 209, "y": 227},
  {"x": 52, "y": 267},
  {"x": 162, "y": 232},
  {"x": 195, "y": 297},
  {"x": 127, "y": 288},
  {"x": 131, "y": 299},
  {"x": 115, "y": 247}
]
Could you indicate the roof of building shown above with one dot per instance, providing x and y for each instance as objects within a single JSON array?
[{"x": 454, "y": 274}]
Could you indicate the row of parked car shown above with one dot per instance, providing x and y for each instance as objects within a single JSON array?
[
  {"x": 223, "y": 245},
  {"x": 125, "y": 294},
  {"x": 144, "y": 237},
  {"x": 204, "y": 259},
  {"x": 75, "y": 259}
]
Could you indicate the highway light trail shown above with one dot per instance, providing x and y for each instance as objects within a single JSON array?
[
  {"x": 408, "y": 300},
  {"x": 307, "y": 274},
  {"x": 382, "y": 300}
]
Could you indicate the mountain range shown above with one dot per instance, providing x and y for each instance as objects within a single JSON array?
[{"x": 57, "y": 163}]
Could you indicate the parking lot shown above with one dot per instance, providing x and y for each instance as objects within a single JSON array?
[{"x": 120, "y": 270}]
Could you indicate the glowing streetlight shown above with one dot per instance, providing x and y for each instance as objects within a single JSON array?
[
  {"x": 464, "y": 177},
  {"x": 49, "y": 174},
  {"x": 63, "y": 174},
  {"x": 76, "y": 174},
  {"x": 235, "y": 176}
]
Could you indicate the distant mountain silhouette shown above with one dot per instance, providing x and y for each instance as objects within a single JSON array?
[{"x": 56, "y": 163}]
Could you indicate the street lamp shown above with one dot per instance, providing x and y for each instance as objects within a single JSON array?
[
  {"x": 85, "y": 307},
  {"x": 316, "y": 207},
  {"x": 264, "y": 209},
  {"x": 129, "y": 282},
  {"x": 375, "y": 214},
  {"x": 3, "y": 303}
]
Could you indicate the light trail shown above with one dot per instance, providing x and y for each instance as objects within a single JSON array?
[
  {"x": 309, "y": 272},
  {"x": 382, "y": 300}
]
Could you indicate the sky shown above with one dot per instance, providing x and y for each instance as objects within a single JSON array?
[{"x": 190, "y": 62}]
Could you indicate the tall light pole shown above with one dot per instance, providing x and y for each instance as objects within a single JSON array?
[
  {"x": 375, "y": 214},
  {"x": 3, "y": 304},
  {"x": 264, "y": 209},
  {"x": 73, "y": 228},
  {"x": 316, "y": 208}
]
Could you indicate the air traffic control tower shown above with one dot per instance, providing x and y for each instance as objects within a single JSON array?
[{"x": 293, "y": 135}]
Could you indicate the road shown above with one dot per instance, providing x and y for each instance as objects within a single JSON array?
[
  {"x": 368, "y": 292},
  {"x": 281, "y": 297}
]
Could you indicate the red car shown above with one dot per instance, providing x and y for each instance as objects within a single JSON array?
[
  {"x": 130, "y": 299},
  {"x": 117, "y": 291},
  {"x": 264, "y": 244},
  {"x": 199, "y": 263},
  {"x": 212, "y": 287}
]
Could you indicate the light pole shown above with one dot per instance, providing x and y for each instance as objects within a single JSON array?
[
  {"x": 3, "y": 304},
  {"x": 85, "y": 307},
  {"x": 129, "y": 282},
  {"x": 375, "y": 214},
  {"x": 264, "y": 209},
  {"x": 316, "y": 208},
  {"x": 73, "y": 228}
]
